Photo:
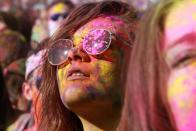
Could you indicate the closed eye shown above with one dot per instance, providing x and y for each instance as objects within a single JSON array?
[{"x": 184, "y": 60}]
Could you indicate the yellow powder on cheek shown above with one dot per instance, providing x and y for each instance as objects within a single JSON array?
[
  {"x": 177, "y": 94},
  {"x": 193, "y": 11},
  {"x": 185, "y": 105},
  {"x": 61, "y": 77},
  {"x": 194, "y": 1},
  {"x": 106, "y": 70},
  {"x": 182, "y": 87},
  {"x": 176, "y": 87}
]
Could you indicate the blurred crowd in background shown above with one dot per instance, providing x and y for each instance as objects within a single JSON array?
[
  {"x": 25, "y": 26},
  {"x": 41, "y": 4}
]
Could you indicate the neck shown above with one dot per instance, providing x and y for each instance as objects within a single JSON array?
[
  {"x": 99, "y": 119},
  {"x": 88, "y": 126}
]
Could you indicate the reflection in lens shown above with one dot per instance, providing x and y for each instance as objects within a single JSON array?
[{"x": 97, "y": 41}]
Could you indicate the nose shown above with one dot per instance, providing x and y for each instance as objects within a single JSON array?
[
  {"x": 60, "y": 19},
  {"x": 77, "y": 54}
]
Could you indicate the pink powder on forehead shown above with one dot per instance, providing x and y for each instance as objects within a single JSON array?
[
  {"x": 111, "y": 22},
  {"x": 115, "y": 25}
]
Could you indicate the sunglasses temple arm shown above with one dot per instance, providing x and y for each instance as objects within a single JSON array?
[{"x": 124, "y": 41}]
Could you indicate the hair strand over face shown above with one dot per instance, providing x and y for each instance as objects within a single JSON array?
[{"x": 146, "y": 107}]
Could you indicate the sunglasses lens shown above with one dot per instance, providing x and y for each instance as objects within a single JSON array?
[
  {"x": 58, "y": 52},
  {"x": 97, "y": 41},
  {"x": 55, "y": 17},
  {"x": 65, "y": 15}
]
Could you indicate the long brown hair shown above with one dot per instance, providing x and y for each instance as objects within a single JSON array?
[
  {"x": 55, "y": 116},
  {"x": 146, "y": 106}
]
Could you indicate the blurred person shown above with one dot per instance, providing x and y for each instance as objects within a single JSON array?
[
  {"x": 13, "y": 44},
  {"x": 80, "y": 2},
  {"x": 56, "y": 12},
  {"x": 6, "y": 5},
  {"x": 33, "y": 78},
  {"x": 14, "y": 77},
  {"x": 48, "y": 20},
  {"x": 4, "y": 103},
  {"x": 25, "y": 19},
  {"x": 12, "y": 47},
  {"x": 161, "y": 86},
  {"x": 39, "y": 30},
  {"x": 18, "y": 20},
  {"x": 7, "y": 21},
  {"x": 84, "y": 66}
]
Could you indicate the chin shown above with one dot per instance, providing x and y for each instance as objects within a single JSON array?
[
  {"x": 78, "y": 96},
  {"x": 74, "y": 95}
]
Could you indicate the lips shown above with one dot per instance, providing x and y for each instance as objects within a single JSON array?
[{"x": 77, "y": 74}]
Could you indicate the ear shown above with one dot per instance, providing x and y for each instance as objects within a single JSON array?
[{"x": 27, "y": 91}]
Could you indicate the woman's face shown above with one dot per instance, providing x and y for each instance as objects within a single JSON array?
[
  {"x": 180, "y": 54},
  {"x": 91, "y": 80}
]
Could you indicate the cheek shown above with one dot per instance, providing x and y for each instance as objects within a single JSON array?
[
  {"x": 105, "y": 68},
  {"x": 182, "y": 95},
  {"x": 182, "y": 82},
  {"x": 61, "y": 76},
  {"x": 107, "y": 72}
]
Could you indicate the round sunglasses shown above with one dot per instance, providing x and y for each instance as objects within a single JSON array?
[
  {"x": 56, "y": 16},
  {"x": 94, "y": 43}
]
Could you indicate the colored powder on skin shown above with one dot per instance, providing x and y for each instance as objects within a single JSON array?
[
  {"x": 194, "y": 1},
  {"x": 177, "y": 88},
  {"x": 194, "y": 16},
  {"x": 186, "y": 118},
  {"x": 182, "y": 94},
  {"x": 104, "y": 68},
  {"x": 183, "y": 22},
  {"x": 106, "y": 71},
  {"x": 61, "y": 76},
  {"x": 59, "y": 7},
  {"x": 103, "y": 22},
  {"x": 78, "y": 37},
  {"x": 174, "y": 22},
  {"x": 117, "y": 26},
  {"x": 183, "y": 78},
  {"x": 192, "y": 118}
]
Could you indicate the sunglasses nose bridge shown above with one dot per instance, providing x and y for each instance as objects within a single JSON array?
[
  {"x": 77, "y": 54},
  {"x": 74, "y": 55},
  {"x": 60, "y": 18}
]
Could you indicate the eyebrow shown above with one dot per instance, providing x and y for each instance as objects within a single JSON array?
[
  {"x": 178, "y": 45},
  {"x": 190, "y": 37}
]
